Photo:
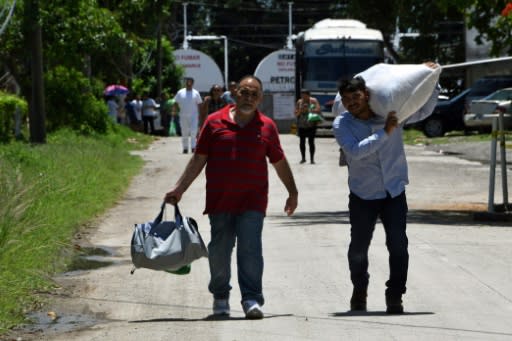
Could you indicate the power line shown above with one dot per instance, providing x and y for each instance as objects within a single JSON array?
[
  {"x": 307, "y": 7},
  {"x": 268, "y": 46}
]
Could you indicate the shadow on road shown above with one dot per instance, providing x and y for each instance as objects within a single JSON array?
[
  {"x": 415, "y": 216},
  {"x": 450, "y": 217},
  {"x": 207, "y": 318},
  {"x": 471, "y": 333},
  {"x": 376, "y": 313}
]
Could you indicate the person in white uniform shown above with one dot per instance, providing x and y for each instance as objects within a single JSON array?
[{"x": 188, "y": 100}]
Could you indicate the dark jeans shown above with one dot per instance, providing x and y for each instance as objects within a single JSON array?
[
  {"x": 363, "y": 217},
  {"x": 165, "y": 120},
  {"x": 149, "y": 122},
  {"x": 310, "y": 134},
  {"x": 176, "y": 120}
]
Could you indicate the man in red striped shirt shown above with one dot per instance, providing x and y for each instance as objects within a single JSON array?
[{"x": 234, "y": 145}]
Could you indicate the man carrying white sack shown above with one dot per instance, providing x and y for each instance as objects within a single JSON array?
[{"x": 377, "y": 167}]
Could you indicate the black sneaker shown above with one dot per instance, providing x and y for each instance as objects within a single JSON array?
[
  {"x": 358, "y": 300},
  {"x": 394, "y": 305},
  {"x": 185, "y": 151},
  {"x": 221, "y": 307}
]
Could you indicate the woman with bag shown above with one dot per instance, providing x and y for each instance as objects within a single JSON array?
[{"x": 307, "y": 111}]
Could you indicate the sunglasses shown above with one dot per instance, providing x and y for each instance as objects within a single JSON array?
[{"x": 249, "y": 93}]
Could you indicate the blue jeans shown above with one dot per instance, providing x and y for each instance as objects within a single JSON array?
[
  {"x": 245, "y": 229},
  {"x": 363, "y": 217}
]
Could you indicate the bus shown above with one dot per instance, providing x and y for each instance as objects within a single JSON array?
[{"x": 331, "y": 50}]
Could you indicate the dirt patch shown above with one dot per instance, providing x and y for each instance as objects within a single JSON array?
[{"x": 59, "y": 316}]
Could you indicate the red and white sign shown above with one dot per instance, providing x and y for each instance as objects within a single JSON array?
[
  {"x": 277, "y": 71},
  {"x": 199, "y": 66}
]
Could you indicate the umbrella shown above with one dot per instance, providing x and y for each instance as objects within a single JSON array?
[{"x": 115, "y": 90}]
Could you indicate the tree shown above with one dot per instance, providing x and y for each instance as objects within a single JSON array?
[
  {"x": 104, "y": 40},
  {"x": 490, "y": 18},
  {"x": 493, "y": 21},
  {"x": 435, "y": 16}
]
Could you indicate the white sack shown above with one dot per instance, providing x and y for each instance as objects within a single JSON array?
[{"x": 403, "y": 88}]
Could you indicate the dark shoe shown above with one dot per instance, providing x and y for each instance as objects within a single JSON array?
[
  {"x": 221, "y": 307},
  {"x": 303, "y": 161},
  {"x": 193, "y": 150},
  {"x": 394, "y": 305},
  {"x": 312, "y": 162},
  {"x": 185, "y": 151},
  {"x": 358, "y": 300}
]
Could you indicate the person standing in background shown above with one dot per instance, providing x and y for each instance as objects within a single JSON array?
[
  {"x": 175, "y": 113},
  {"x": 229, "y": 95},
  {"x": 137, "y": 106},
  {"x": 130, "y": 111},
  {"x": 149, "y": 113},
  {"x": 165, "y": 113},
  {"x": 306, "y": 129},
  {"x": 189, "y": 100},
  {"x": 113, "y": 108},
  {"x": 212, "y": 103},
  {"x": 121, "y": 111}
]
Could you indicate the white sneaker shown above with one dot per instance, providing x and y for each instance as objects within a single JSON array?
[
  {"x": 221, "y": 306},
  {"x": 252, "y": 310}
]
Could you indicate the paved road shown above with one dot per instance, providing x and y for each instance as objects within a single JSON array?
[{"x": 459, "y": 281}]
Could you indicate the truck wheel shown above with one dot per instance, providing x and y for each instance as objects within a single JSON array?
[{"x": 434, "y": 127}]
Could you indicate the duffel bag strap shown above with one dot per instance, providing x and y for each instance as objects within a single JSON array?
[
  {"x": 160, "y": 216},
  {"x": 177, "y": 215}
]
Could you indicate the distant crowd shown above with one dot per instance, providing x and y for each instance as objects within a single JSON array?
[{"x": 169, "y": 114}]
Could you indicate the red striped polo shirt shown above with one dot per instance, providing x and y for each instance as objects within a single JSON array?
[{"x": 236, "y": 168}]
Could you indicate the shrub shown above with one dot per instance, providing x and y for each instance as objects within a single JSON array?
[
  {"x": 70, "y": 102},
  {"x": 8, "y": 106}
]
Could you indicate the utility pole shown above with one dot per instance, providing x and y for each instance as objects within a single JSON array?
[
  {"x": 35, "y": 46},
  {"x": 289, "y": 43}
]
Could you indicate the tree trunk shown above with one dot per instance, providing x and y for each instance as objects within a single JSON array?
[{"x": 35, "y": 46}]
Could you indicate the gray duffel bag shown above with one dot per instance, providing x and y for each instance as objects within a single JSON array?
[{"x": 166, "y": 245}]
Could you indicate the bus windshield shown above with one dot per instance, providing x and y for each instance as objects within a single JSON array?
[{"x": 326, "y": 62}]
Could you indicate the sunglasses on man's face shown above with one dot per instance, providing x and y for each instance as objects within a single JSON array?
[{"x": 249, "y": 93}]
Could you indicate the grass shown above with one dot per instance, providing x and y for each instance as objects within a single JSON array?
[{"x": 47, "y": 193}]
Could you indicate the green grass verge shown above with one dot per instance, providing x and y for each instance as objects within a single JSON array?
[
  {"x": 413, "y": 136},
  {"x": 47, "y": 192}
]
